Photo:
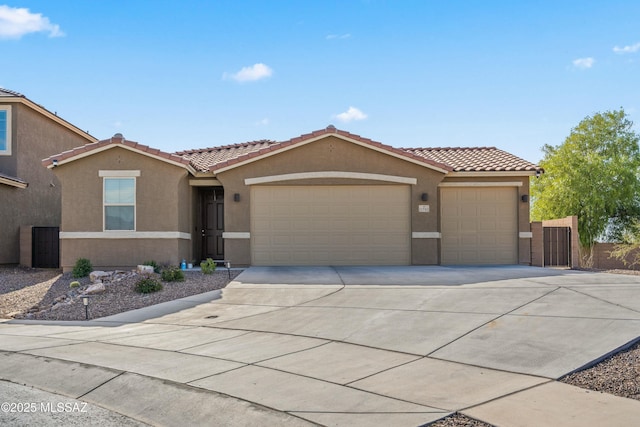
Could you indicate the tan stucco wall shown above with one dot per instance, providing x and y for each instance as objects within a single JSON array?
[
  {"x": 331, "y": 154},
  {"x": 121, "y": 254},
  {"x": 163, "y": 204},
  {"x": 34, "y": 137}
]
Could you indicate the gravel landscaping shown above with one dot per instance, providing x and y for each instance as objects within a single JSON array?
[
  {"x": 459, "y": 420},
  {"x": 46, "y": 294}
]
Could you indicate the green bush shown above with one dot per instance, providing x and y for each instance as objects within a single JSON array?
[
  {"x": 74, "y": 284},
  {"x": 172, "y": 274},
  {"x": 148, "y": 285},
  {"x": 152, "y": 263},
  {"x": 208, "y": 266},
  {"x": 82, "y": 268}
]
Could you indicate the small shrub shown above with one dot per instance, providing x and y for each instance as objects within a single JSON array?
[
  {"x": 152, "y": 263},
  {"x": 172, "y": 274},
  {"x": 74, "y": 284},
  {"x": 82, "y": 268},
  {"x": 148, "y": 285},
  {"x": 208, "y": 266}
]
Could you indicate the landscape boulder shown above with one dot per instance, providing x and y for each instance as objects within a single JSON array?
[
  {"x": 96, "y": 288},
  {"x": 99, "y": 276}
]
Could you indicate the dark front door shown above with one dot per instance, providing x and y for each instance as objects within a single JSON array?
[{"x": 212, "y": 224}]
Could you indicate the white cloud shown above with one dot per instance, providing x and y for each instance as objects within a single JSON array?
[
  {"x": 16, "y": 22},
  {"x": 250, "y": 74},
  {"x": 583, "y": 63},
  {"x": 627, "y": 49},
  {"x": 338, "y": 36},
  {"x": 263, "y": 122},
  {"x": 350, "y": 115}
]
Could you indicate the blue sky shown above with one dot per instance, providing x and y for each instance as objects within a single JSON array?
[{"x": 188, "y": 74}]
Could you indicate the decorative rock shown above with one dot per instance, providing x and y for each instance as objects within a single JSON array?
[
  {"x": 99, "y": 276},
  {"x": 145, "y": 269},
  {"x": 96, "y": 288}
]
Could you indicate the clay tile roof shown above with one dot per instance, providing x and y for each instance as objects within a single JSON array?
[
  {"x": 114, "y": 140},
  {"x": 205, "y": 158},
  {"x": 475, "y": 159},
  {"x": 210, "y": 159}
]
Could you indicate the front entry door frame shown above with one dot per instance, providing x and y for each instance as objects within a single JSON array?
[{"x": 212, "y": 223}]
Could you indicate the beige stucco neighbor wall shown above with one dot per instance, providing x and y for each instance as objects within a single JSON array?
[
  {"x": 34, "y": 137},
  {"x": 163, "y": 205},
  {"x": 336, "y": 155},
  {"x": 524, "y": 241}
]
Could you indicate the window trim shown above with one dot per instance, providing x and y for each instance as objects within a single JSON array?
[
  {"x": 119, "y": 174},
  {"x": 7, "y": 150}
]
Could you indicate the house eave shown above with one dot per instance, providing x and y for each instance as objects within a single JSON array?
[
  {"x": 79, "y": 156},
  {"x": 326, "y": 135},
  {"x": 51, "y": 116},
  {"x": 13, "y": 182},
  {"x": 485, "y": 174}
]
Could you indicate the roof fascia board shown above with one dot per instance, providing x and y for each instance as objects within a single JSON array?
[
  {"x": 393, "y": 154},
  {"x": 78, "y": 156},
  {"x": 12, "y": 183},
  {"x": 51, "y": 116},
  {"x": 326, "y": 135},
  {"x": 477, "y": 174},
  {"x": 135, "y": 150},
  {"x": 330, "y": 174}
]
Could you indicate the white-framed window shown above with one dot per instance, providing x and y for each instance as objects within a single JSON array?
[
  {"x": 119, "y": 200},
  {"x": 5, "y": 130}
]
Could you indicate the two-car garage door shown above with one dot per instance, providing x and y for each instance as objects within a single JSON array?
[
  {"x": 479, "y": 225},
  {"x": 365, "y": 225},
  {"x": 330, "y": 225}
]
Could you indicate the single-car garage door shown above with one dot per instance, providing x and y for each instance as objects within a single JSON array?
[
  {"x": 330, "y": 225},
  {"x": 479, "y": 225}
]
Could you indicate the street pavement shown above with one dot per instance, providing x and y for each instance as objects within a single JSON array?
[{"x": 343, "y": 346}]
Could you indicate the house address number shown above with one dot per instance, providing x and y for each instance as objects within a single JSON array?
[{"x": 423, "y": 208}]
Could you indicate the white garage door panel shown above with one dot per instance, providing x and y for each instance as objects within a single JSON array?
[
  {"x": 330, "y": 225},
  {"x": 479, "y": 225}
]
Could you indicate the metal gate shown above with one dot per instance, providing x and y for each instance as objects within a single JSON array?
[
  {"x": 557, "y": 246},
  {"x": 45, "y": 247}
]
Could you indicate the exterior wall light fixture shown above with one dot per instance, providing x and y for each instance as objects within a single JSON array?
[
  {"x": 424, "y": 197},
  {"x": 524, "y": 198},
  {"x": 236, "y": 197}
]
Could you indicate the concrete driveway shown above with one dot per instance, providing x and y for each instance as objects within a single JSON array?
[{"x": 397, "y": 346}]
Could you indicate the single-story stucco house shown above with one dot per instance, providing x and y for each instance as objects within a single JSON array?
[{"x": 324, "y": 198}]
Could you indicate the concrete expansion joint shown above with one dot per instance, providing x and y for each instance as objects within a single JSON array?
[
  {"x": 507, "y": 395},
  {"x": 100, "y": 385},
  {"x": 600, "y": 299},
  {"x": 473, "y": 365}
]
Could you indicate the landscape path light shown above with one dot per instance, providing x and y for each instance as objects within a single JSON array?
[{"x": 85, "y": 302}]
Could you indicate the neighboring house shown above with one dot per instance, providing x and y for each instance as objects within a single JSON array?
[
  {"x": 325, "y": 198},
  {"x": 29, "y": 194}
]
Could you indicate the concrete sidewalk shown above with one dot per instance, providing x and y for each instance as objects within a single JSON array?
[{"x": 349, "y": 346}]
